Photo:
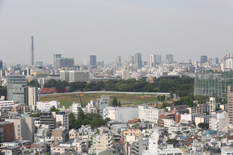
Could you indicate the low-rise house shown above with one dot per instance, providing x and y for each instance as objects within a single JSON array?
[
  {"x": 38, "y": 147},
  {"x": 62, "y": 148}
]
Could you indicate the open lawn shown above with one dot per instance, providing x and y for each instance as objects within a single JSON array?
[{"x": 126, "y": 99}]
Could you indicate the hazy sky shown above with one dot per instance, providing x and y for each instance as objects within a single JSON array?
[{"x": 108, "y": 28}]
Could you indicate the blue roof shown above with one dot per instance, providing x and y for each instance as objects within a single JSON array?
[{"x": 182, "y": 137}]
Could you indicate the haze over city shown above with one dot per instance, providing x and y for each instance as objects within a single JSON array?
[{"x": 78, "y": 28}]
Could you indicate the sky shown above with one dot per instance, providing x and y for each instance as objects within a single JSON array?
[{"x": 111, "y": 28}]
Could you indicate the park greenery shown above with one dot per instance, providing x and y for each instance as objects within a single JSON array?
[
  {"x": 54, "y": 109},
  {"x": 172, "y": 141},
  {"x": 33, "y": 83},
  {"x": 95, "y": 120}
]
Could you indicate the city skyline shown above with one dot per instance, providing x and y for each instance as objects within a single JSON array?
[{"x": 110, "y": 29}]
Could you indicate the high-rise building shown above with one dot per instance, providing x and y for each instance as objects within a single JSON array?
[
  {"x": 54, "y": 58},
  {"x": 15, "y": 87},
  {"x": 158, "y": 59},
  {"x": 1, "y": 64},
  {"x": 118, "y": 60},
  {"x": 138, "y": 59},
  {"x": 230, "y": 103},
  {"x": 64, "y": 62},
  {"x": 152, "y": 61},
  {"x": 31, "y": 97},
  {"x": 131, "y": 59},
  {"x": 203, "y": 59},
  {"x": 32, "y": 59},
  {"x": 92, "y": 60},
  {"x": 169, "y": 58},
  {"x": 215, "y": 61}
]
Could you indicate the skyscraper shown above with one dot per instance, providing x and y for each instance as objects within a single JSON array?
[
  {"x": 54, "y": 58},
  {"x": 138, "y": 59},
  {"x": 118, "y": 60},
  {"x": 15, "y": 87},
  {"x": 152, "y": 60},
  {"x": 0, "y": 64},
  {"x": 203, "y": 59},
  {"x": 158, "y": 59},
  {"x": 169, "y": 58},
  {"x": 92, "y": 60},
  {"x": 131, "y": 59}
]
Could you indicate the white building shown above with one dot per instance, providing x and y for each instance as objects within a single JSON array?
[
  {"x": 97, "y": 107},
  {"x": 45, "y": 106},
  {"x": 229, "y": 63},
  {"x": 74, "y": 108},
  {"x": 63, "y": 118},
  {"x": 121, "y": 114},
  {"x": 152, "y": 61},
  {"x": 168, "y": 122},
  {"x": 220, "y": 122},
  {"x": 146, "y": 113},
  {"x": 226, "y": 150},
  {"x": 191, "y": 117},
  {"x": 202, "y": 119}
]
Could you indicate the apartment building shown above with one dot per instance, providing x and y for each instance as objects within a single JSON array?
[
  {"x": 74, "y": 108},
  {"x": 191, "y": 117},
  {"x": 24, "y": 128},
  {"x": 75, "y": 75},
  {"x": 200, "y": 108},
  {"x": 31, "y": 97}
]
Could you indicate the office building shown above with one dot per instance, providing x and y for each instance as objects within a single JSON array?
[
  {"x": 24, "y": 128},
  {"x": 215, "y": 61},
  {"x": 48, "y": 118},
  {"x": 138, "y": 59},
  {"x": 92, "y": 60},
  {"x": 203, "y": 59},
  {"x": 131, "y": 59},
  {"x": 64, "y": 62},
  {"x": 230, "y": 103},
  {"x": 152, "y": 61},
  {"x": 15, "y": 87},
  {"x": 75, "y": 76},
  {"x": 158, "y": 59},
  {"x": 31, "y": 97},
  {"x": 229, "y": 63},
  {"x": 169, "y": 58},
  {"x": 55, "y": 56}
]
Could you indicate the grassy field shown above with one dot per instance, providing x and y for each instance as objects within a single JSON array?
[{"x": 126, "y": 99}]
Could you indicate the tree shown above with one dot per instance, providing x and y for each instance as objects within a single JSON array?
[
  {"x": 114, "y": 102},
  {"x": 203, "y": 125},
  {"x": 53, "y": 109},
  {"x": 81, "y": 115},
  {"x": 119, "y": 104},
  {"x": 35, "y": 115}
]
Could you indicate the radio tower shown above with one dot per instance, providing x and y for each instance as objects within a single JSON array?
[{"x": 32, "y": 52}]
